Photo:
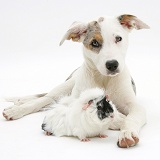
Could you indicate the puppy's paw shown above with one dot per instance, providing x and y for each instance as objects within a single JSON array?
[
  {"x": 127, "y": 139},
  {"x": 13, "y": 112}
]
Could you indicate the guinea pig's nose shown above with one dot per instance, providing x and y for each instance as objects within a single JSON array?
[{"x": 110, "y": 109}]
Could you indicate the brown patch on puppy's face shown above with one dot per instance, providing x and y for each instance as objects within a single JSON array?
[{"x": 93, "y": 40}]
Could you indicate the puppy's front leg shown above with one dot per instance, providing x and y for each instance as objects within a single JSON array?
[
  {"x": 18, "y": 111},
  {"x": 136, "y": 118},
  {"x": 125, "y": 100}
]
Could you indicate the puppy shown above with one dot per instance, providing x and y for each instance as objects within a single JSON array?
[{"x": 89, "y": 115}]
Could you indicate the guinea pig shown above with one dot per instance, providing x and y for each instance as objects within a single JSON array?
[{"x": 88, "y": 116}]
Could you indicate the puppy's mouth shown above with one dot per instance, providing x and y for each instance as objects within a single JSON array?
[{"x": 112, "y": 74}]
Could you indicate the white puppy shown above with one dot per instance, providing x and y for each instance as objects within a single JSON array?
[
  {"x": 105, "y": 43},
  {"x": 89, "y": 115}
]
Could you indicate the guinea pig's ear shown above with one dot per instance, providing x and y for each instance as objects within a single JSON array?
[
  {"x": 76, "y": 32},
  {"x": 129, "y": 22},
  {"x": 107, "y": 97},
  {"x": 87, "y": 105}
]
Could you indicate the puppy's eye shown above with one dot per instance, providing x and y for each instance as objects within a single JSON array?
[
  {"x": 118, "y": 39},
  {"x": 94, "y": 43}
]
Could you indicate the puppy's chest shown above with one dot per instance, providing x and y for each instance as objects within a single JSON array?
[{"x": 97, "y": 81}]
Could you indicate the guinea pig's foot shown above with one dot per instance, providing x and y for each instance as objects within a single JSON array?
[
  {"x": 85, "y": 140},
  {"x": 103, "y": 136},
  {"x": 48, "y": 133}
]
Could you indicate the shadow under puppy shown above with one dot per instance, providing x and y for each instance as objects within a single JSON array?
[{"x": 89, "y": 115}]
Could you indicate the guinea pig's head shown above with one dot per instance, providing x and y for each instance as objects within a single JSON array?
[
  {"x": 101, "y": 108},
  {"x": 104, "y": 109}
]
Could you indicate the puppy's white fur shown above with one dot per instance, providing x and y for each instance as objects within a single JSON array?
[{"x": 68, "y": 118}]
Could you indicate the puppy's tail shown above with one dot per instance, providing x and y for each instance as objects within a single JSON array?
[{"x": 91, "y": 94}]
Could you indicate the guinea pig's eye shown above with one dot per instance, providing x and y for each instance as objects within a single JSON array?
[
  {"x": 99, "y": 107},
  {"x": 107, "y": 100},
  {"x": 95, "y": 43},
  {"x": 118, "y": 39}
]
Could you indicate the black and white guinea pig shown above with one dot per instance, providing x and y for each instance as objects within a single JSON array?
[{"x": 88, "y": 116}]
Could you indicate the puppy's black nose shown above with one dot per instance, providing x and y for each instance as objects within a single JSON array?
[{"x": 112, "y": 65}]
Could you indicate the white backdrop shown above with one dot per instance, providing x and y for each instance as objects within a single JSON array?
[{"x": 31, "y": 61}]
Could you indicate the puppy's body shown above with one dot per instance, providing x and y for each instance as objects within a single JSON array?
[
  {"x": 105, "y": 42},
  {"x": 72, "y": 119}
]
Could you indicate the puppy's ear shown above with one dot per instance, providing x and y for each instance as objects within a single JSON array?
[
  {"x": 76, "y": 32},
  {"x": 129, "y": 22}
]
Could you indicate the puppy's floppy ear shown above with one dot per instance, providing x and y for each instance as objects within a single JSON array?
[
  {"x": 130, "y": 22},
  {"x": 76, "y": 32}
]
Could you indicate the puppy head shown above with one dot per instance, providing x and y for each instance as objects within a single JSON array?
[{"x": 105, "y": 41}]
